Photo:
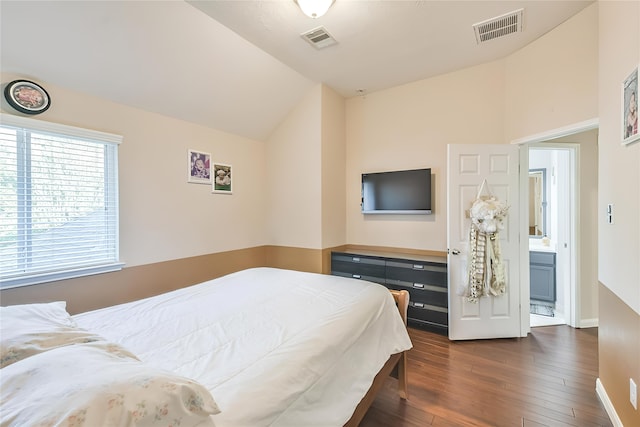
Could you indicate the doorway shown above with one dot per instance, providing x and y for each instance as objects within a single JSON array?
[
  {"x": 575, "y": 234},
  {"x": 552, "y": 190}
]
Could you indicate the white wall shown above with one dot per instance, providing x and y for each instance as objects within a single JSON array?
[{"x": 162, "y": 217}]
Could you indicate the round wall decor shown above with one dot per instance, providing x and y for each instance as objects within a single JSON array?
[{"x": 27, "y": 97}]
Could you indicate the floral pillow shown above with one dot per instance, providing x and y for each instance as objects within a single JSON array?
[
  {"x": 96, "y": 384},
  {"x": 30, "y": 329}
]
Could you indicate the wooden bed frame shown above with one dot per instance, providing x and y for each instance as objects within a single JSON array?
[{"x": 398, "y": 360}]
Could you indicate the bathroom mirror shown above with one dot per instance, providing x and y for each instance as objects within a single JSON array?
[{"x": 537, "y": 202}]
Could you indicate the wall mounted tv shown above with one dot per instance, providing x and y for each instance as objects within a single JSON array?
[{"x": 397, "y": 192}]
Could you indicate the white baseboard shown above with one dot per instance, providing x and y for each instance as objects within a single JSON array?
[
  {"x": 608, "y": 406},
  {"x": 588, "y": 323}
]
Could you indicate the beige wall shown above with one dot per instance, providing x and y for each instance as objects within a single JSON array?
[
  {"x": 619, "y": 180},
  {"x": 305, "y": 164},
  {"x": 409, "y": 127},
  {"x": 618, "y": 353},
  {"x": 619, "y": 55},
  {"x": 552, "y": 82},
  {"x": 280, "y": 187},
  {"x": 133, "y": 283},
  {"x": 548, "y": 84},
  {"x": 162, "y": 217},
  {"x": 173, "y": 233},
  {"x": 293, "y": 177},
  {"x": 333, "y": 169}
]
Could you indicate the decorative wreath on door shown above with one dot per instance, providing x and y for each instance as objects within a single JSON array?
[{"x": 485, "y": 267}]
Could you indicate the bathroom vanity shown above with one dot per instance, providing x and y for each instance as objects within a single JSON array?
[{"x": 542, "y": 271}]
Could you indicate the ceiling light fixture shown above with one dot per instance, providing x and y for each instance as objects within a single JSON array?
[{"x": 314, "y": 8}]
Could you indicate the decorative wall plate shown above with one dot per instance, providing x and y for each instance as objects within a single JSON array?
[{"x": 27, "y": 97}]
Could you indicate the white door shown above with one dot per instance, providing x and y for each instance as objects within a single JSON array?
[{"x": 468, "y": 166}]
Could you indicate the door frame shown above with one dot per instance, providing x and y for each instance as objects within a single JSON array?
[
  {"x": 570, "y": 235},
  {"x": 525, "y": 142}
]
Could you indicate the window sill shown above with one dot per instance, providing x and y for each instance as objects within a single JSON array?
[{"x": 37, "y": 279}]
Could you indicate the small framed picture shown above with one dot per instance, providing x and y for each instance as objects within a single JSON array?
[
  {"x": 27, "y": 97},
  {"x": 630, "y": 108},
  {"x": 199, "y": 164},
  {"x": 222, "y": 179}
]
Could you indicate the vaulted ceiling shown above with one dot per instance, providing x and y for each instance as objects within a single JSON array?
[{"x": 241, "y": 66}]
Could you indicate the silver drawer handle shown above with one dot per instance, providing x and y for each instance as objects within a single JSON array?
[
  {"x": 418, "y": 305},
  {"x": 356, "y": 259},
  {"x": 418, "y": 267},
  {"x": 418, "y": 285},
  {"x": 356, "y": 276}
]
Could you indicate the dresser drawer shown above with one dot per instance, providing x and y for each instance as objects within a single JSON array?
[
  {"x": 428, "y": 313},
  {"x": 358, "y": 267},
  {"x": 426, "y": 281},
  {"x": 418, "y": 292},
  {"x": 416, "y": 272},
  {"x": 375, "y": 279}
]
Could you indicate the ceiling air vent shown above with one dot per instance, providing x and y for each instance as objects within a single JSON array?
[
  {"x": 319, "y": 38},
  {"x": 500, "y": 26}
]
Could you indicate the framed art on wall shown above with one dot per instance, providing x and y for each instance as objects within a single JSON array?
[
  {"x": 630, "y": 108},
  {"x": 222, "y": 181},
  {"x": 27, "y": 97},
  {"x": 199, "y": 164}
]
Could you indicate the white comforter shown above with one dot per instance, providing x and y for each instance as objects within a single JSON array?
[{"x": 274, "y": 347}]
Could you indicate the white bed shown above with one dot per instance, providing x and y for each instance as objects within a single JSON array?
[{"x": 273, "y": 347}]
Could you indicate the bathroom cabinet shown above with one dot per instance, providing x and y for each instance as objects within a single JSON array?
[{"x": 542, "y": 276}]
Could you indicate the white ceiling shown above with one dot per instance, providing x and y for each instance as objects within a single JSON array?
[{"x": 241, "y": 66}]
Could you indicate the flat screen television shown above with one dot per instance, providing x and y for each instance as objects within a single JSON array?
[{"x": 397, "y": 192}]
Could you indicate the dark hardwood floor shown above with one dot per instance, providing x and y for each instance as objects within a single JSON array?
[{"x": 545, "y": 379}]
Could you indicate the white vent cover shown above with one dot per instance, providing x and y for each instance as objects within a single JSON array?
[
  {"x": 500, "y": 26},
  {"x": 319, "y": 38}
]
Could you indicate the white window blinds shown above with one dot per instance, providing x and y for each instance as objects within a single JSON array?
[{"x": 58, "y": 202}]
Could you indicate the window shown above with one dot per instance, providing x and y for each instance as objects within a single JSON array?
[{"x": 58, "y": 202}]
